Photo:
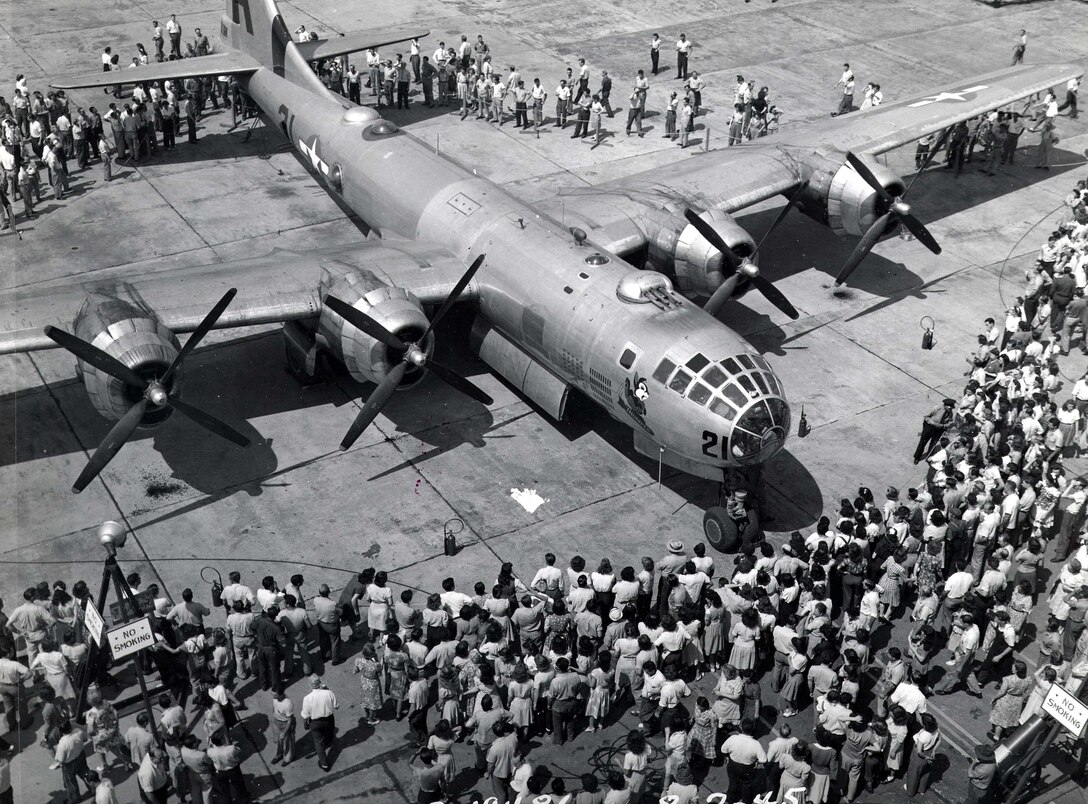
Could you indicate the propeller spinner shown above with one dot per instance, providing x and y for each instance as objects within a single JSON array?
[
  {"x": 414, "y": 355},
  {"x": 155, "y": 392},
  {"x": 898, "y": 211}
]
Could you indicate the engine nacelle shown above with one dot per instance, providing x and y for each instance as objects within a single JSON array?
[
  {"x": 842, "y": 200},
  {"x": 697, "y": 264},
  {"x": 135, "y": 338},
  {"x": 367, "y": 359}
]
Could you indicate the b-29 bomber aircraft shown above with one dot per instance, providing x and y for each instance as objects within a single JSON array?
[{"x": 560, "y": 305}]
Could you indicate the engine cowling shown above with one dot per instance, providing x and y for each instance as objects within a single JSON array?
[
  {"x": 698, "y": 264},
  {"x": 137, "y": 339},
  {"x": 400, "y": 312},
  {"x": 842, "y": 200}
]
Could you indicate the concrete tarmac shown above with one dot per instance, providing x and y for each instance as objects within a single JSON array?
[{"x": 294, "y": 503}]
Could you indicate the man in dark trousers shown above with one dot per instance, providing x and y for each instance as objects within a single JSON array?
[
  {"x": 933, "y": 427},
  {"x": 1062, "y": 290},
  {"x": 606, "y": 91},
  {"x": 270, "y": 638}
]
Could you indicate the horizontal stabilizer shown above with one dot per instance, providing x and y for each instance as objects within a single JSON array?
[
  {"x": 359, "y": 40},
  {"x": 231, "y": 62}
]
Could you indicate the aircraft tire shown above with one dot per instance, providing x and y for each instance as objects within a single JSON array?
[{"x": 720, "y": 530}]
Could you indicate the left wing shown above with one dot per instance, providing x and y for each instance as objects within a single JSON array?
[
  {"x": 356, "y": 41},
  {"x": 281, "y": 286},
  {"x": 233, "y": 62}
]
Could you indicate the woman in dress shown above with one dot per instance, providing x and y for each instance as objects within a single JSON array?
[
  {"x": 897, "y": 721},
  {"x": 396, "y": 663},
  {"x": 55, "y": 666},
  {"x": 519, "y": 694},
  {"x": 714, "y": 632},
  {"x": 1043, "y": 678},
  {"x": 558, "y": 623},
  {"x": 441, "y": 742},
  {"x": 704, "y": 732},
  {"x": 1010, "y": 700},
  {"x": 796, "y": 770},
  {"x": 370, "y": 683},
  {"x": 894, "y": 575},
  {"x": 730, "y": 693},
  {"x": 796, "y": 677},
  {"x": 103, "y": 729},
  {"x": 380, "y": 599},
  {"x": 825, "y": 760},
  {"x": 63, "y": 609},
  {"x": 599, "y": 681},
  {"x": 743, "y": 635},
  {"x": 601, "y": 582},
  {"x": 873, "y": 759},
  {"x": 924, "y": 752}
]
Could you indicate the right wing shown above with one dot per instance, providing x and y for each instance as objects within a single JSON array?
[
  {"x": 318, "y": 49},
  {"x": 281, "y": 286},
  {"x": 233, "y": 62}
]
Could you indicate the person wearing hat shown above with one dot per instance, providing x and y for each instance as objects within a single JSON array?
[
  {"x": 669, "y": 564},
  {"x": 934, "y": 425},
  {"x": 981, "y": 774}
]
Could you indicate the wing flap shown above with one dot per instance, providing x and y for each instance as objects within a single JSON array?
[
  {"x": 230, "y": 63},
  {"x": 359, "y": 40}
]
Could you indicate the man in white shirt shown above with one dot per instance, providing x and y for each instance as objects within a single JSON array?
[
  {"x": 157, "y": 40},
  {"x": 683, "y": 50},
  {"x": 550, "y": 576},
  {"x": 655, "y": 52},
  {"x": 743, "y": 755},
  {"x": 909, "y": 696},
  {"x": 236, "y": 591},
  {"x": 1071, "y": 88},
  {"x": 174, "y": 30},
  {"x": 452, "y": 599},
  {"x": 318, "y": 714}
]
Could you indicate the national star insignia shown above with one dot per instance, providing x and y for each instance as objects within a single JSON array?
[
  {"x": 949, "y": 96},
  {"x": 315, "y": 160}
]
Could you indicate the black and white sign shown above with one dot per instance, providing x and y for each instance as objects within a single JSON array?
[
  {"x": 131, "y": 638},
  {"x": 1064, "y": 707},
  {"x": 93, "y": 620}
]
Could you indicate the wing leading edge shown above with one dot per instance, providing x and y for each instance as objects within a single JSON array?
[{"x": 279, "y": 287}]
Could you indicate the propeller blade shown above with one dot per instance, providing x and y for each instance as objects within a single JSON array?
[
  {"x": 361, "y": 321},
  {"x": 209, "y": 422},
  {"x": 715, "y": 239},
  {"x": 91, "y": 354},
  {"x": 374, "y": 404},
  {"x": 111, "y": 445},
  {"x": 933, "y": 149},
  {"x": 781, "y": 216},
  {"x": 459, "y": 288},
  {"x": 722, "y": 294},
  {"x": 864, "y": 246},
  {"x": 870, "y": 179},
  {"x": 921, "y": 232},
  {"x": 458, "y": 382},
  {"x": 774, "y": 295},
  {"x": 199, "y": 333}
]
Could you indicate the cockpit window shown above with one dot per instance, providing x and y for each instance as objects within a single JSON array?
[
  {"x": 723, "y": 409},
  {"x": 744, "y": 444},
  {"x": 627, "y": 359},
  {"x": 747, "y": 385},
  {"x": 775, "y": 385},
  {"x": 698, "y": 363},
  {"x": 664, "y": 369},
  {"x": 700, "y": 393},
  {"x": 758, "y": 377},
  {"x": 680, "y": 381},
  {"x": 757, "y": 419},
  {"x": 714, "y": 377},
  {"x": 781, "y": 412},
  {"x": 733, "y": 394},
  {"x": 746, "y": 361},
  {"x": 732, "y": 366},
  {"x": 760, "y": 362}
]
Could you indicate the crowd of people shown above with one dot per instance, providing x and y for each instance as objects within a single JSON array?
[{"x": 467, "y": 77}]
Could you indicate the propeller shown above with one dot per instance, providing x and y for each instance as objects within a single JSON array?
[
  {"x": 155, "y": 393},
  {"x": 744, "y": 267},
  {"x": 898, "y": 211},
  {"x": 414, "y": 355}
]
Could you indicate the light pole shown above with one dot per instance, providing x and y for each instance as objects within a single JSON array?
[{"x": 112, "y": 536}]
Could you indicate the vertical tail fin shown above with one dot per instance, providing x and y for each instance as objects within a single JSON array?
[{"x": 256, "y": 28}]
